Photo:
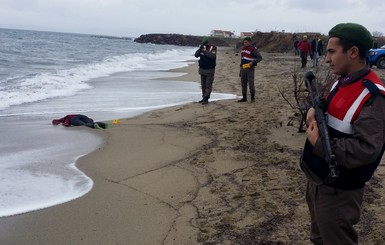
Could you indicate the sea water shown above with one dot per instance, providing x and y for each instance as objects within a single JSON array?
[{"x": 46, "y": 75}]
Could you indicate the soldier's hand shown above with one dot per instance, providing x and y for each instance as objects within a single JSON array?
[
  {"x": 312, "y": 132},
  {"x": 310, "y": 116}
]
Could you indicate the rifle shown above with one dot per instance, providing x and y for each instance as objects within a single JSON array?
[{"x": 318, "y": 105}]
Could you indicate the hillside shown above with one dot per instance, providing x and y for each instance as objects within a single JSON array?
[{"x": 272, "y": 42}]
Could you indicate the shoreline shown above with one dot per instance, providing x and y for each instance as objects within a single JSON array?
[
  {"x": 43, "y": 164},
  {"x": 225, "y": 172}
]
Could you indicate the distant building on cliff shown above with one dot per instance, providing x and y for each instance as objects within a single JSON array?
[{"x": 221, "y": 33}]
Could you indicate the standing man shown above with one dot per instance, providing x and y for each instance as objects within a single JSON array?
[
  {"x": 296, "y": 50},
  {"x": 250, "y": 57},
  {"x": 356, "y": 124},
  {"x": 207, "y": 54},
  {"x": 317, "y": 49},
  {"x": 305, "y": 49}
]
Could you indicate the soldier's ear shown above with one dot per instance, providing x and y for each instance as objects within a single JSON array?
[{"x": 354, "y": 52}]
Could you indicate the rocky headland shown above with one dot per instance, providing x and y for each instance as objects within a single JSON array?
[{"x": 271, "y": 42}]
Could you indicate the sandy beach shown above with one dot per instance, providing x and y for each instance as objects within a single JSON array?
[{"x": 223, "y": 173}]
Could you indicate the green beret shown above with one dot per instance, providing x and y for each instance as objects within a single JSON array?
[
  {"x": 247, "y": 39},
  {"x": 355, "y": 33},
  {"x": 205, "y": 40}
]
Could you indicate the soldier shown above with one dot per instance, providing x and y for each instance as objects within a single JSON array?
[
  {"x": 356, "y": 126},
  {"x": 207, "y": 54},
  {"x": 250, "y": 57}
]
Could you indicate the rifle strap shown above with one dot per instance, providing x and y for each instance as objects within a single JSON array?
[
  {"x": 332, "y": 93},
  {"x": 373, "y": 89}
]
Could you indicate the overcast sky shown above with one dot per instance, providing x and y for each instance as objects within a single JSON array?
[{"x": 133, "y": 18}]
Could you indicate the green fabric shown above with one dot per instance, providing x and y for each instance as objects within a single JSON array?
[{"x": 355, "y": 33}]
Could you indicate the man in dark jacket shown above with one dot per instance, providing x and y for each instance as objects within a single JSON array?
[
  {"x": 356, "y": 126},
  {"x": 316, "y": 49},
  {"x": 207, "y": 54}
]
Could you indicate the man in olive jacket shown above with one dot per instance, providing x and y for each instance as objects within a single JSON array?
[
  {"x": 250, "y": 57},
  {"x": 356, "y": 126}
]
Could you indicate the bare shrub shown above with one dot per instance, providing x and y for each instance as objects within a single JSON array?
[{"x": 298, "y": 97}]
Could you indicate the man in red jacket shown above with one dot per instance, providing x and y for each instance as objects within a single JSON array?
[{"x": 305, "y": 49}]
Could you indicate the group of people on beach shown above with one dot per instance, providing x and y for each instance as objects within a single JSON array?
[
  {"x": 304, "y": 49},
  {"x": 250, "y": 57},
  {"x": 355, "y": 112}
]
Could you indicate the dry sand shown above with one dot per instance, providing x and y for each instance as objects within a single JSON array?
[{"x": 224, "y": 173}]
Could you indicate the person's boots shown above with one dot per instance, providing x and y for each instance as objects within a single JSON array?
[
  {"x": 253, "y": 98},
  {"x": 205, "y": 101},
  {"x": 244, "y": 98},
  {"x": 201, "y": 100}
]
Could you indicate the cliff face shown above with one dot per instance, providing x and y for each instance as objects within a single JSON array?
[
  {"x": 275, "y": 41},
  {"x": 178, "y": 39},
  {"x": 268, "y": 42},
  {"x": 265, "y": 41}
]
